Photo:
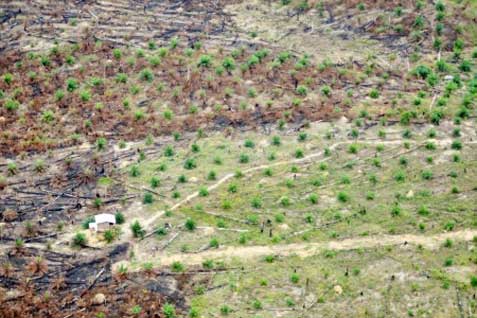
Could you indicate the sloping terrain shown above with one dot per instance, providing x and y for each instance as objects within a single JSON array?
[{"x": 261, "y": 158}]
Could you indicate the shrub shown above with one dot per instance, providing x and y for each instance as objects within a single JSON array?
[
  {"x": 190, "y": 224},
  {"x": 212, "y": 175},
  {"x": 11, "y": 105},
  {"x": 71, "y": 84},
  {"x": 225, "y": 310},
  {"x": 465, "y": 66},
  {"x": 232, "y": 188},
  {"x": 249, "y": 143},
  {"x": 214, "y": 243},
  {"x": 169, "y": 151},
  {"x": 117, "y": 54},
  {"x": 456, "y": 145},
  {"x": 448, "y": 243},
  {"x": 244, "y": 158},
  {"x": 285, "y": 201},
  {"x": 302, "y": 90},
  {"x": 256, "y": 202},
  {"x": 343, "y": 197},
  {"x": 137, "y": 230},
  {"x": 177, "y": 266},
  {"x": 190, "y": 164},
  {"x": 169, "y": 310},
  {"x": 134, "y": 171},
  {"x": 313, "y": 198},
  {"x": 257, "y": 304},
  {"x": 276, "y": 141},
  {"x": 423, "y": 210},
  {"x": 309, "y": 218},
  {"x": 427, "y": 175},
  {"x": 85, "y": 95},
  {"x": 101, "y": 143},
  {"x": 353, "y": 148},
  {"x": 119, "y": 218},
  {"x": 374, "y": 93},
  {"x": 294, "y": 278},
  {"x": 109, "y": 236},
  {"x": 121, "y": 78},
  {"x": 146, "y": 75},
  {"x": 79, "y": 240},
  {"x": 148, "y": 198},
  {"x": 299, "y": 153},
  {"x": 396, "y": 210},
  {"x": 205, "y": 61},
  {"x": 203, "y": 192},
  {"x": 228, "y": 64},
  {"x": 473, "y": 281},
  {"x": 422, "y": 71},
  {"x": 86, "y": 222},
  {"x": 326, "y": 90}
]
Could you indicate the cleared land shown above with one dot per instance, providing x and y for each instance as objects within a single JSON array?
[{"x": 291, "y": 158}]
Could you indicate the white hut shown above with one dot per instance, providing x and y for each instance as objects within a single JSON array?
[{"x": 102, "y": 222}]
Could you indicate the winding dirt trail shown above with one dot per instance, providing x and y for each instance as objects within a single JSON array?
[{"x": 307, "y": 249}]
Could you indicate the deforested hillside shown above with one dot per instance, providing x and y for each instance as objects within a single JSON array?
[{"x": 238, "y": 158}]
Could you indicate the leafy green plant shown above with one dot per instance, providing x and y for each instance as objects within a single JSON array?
[
  {"x": 137, "y": 230},
  {"x": 79, "y": 240}
]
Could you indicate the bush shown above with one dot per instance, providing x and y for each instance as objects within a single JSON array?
[
  {"x": 313, "y": 198},
  {"x": 117, "y": 54},
  {"x": 343, "y": 197},
  {"x": 473, "y": 281},
  {"x": 134, "y": 171},
  {"x": 190, "y": 164},
  {"x": 190, "y": 224},
  {"x": 285, "y": 201},
  {"x": 177, "y": 266},
  {"x": 294, "y": 278},
  {"x": 148, "y": 198},
  {"x": 155, "y": 182},
  {"x": 225, "y": 310},
  {"x": 205, "y": 61},
  {"x": 249, "y": 143},
  {"x": 396, "y": 210},
  {"x": 228, "y": 64},
  {"x": 119, "y": 218},
  {"x": 465, "y": 66},
  {"x": 85, "y": 95},
  {"x": 374, "y": 93},
  {"x": 101, "y": 143},
  {"x": 169, "y": 310},
  {"x": 137, "y": 230},
  {"x": 8, "y": 78},
  {"x": 299, "y": 153},
  {"x": 427, "y": 175},
  {"x": 11, "y": 104},
  {"x": 146, "y": 75},
  {"x": 302, "y": 90},
  {"x": 276, "y": 141},
  {"x": 400, "y": 176},
  {"x": 326, "y": 90},
  {"x": 109, "y": 236},
  {"x": 244, "y": 158},
  {"x": 456, "y": 145},
  {"x": 214, "y": 243},
  {"x": 79, "y": 240},
  {"x": 203, "y": 192},
  {"x": 87, "y": 221},
  {"x": 422, "y": 71}
]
